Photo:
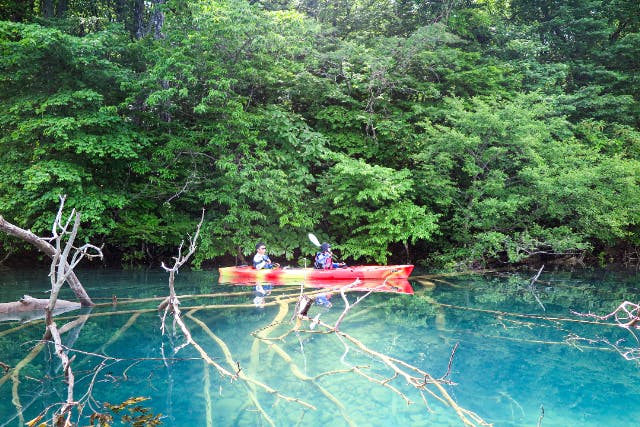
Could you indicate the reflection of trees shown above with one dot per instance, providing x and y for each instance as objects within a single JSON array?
[
  {"x": 544, "y": 293},
  {"x": 384, "y": 371},
  {"x": 515, "y": 290},
  {"x": 72, "y": 330},
  {"x": 267, "y": 343},
  {"x": 626, "y": 316}
]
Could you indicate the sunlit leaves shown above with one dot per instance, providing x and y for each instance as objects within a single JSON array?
[
  {"x": 514, "y": 182},
  {"x": 373, "y": 205},
  {"x": 131, "y": 414},
  {"x": 60, "y": 136}
]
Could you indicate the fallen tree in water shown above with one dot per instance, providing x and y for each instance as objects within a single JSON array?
[
  {"x": 383, "y": 370},
  {"x": 29, "y": 308},
  {"x": 44, "y": 246},
  {"x": 626, "y": 316},
  {"x": 65, "y": 256}
]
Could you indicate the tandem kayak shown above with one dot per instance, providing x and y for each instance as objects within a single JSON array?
[
  {"x": 362, "y": 272},
  {"x": 379, "y": 278}
]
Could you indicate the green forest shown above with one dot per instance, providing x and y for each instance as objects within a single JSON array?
[{"x": 449, "y": 133}]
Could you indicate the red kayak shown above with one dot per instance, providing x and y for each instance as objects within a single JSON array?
[
  {"x": 377, "y": 272},
  {"x": 381, "y": 278}
]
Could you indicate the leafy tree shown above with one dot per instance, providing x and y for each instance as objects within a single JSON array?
[
  {"x": 594, "y": 39},
  {"x": 61, "y": 128},
  {"x": 511, "y": 181},
  {"x": 357, "y": 19},
  {"x": 374, "y": 206},
  {"x": 228, "y": 140},
  {"x": 492, "y": 121},
  {"x": 16, "y": 10}
]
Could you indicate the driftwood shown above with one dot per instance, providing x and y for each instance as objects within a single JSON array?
[
  {"x": 50, "y": 251},
  {"x": 29, "y": 308}
]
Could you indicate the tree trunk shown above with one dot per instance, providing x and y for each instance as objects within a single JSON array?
[
  {"x": 45, "y": 247},
  {"x": 138, "y": 19},
  {"x": 157, "y": 19},
  {"x": 121, "y": 11},
  {"x": 29, "y": 308},
  {"x": 46, "y": 8},
  {"x": 61, "y": 8}
]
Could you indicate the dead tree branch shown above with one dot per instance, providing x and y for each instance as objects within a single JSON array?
[
  {"x": 172, "y": 301},
  {"x": 347, "y": 305},
  {"x": 63, "y": 240},
  {"x": 47, "y": 248},
  {"x": 63, "y": 243},
  {"x": 172, "y": 304},
  {"x": 532, "y": 288},
  {"x": 627, "y": 316},
  {"x": 413, "y": 376}
]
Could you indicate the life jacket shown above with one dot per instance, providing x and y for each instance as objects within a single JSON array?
[
  {"x": 264, "y": 262},
  {"x": 323, "y": 261}
]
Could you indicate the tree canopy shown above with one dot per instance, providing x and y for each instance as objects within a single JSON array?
[{"x": 450, "y": 133}]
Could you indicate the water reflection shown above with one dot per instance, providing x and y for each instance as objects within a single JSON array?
[
  {"x": 522, "y": 357},
  {"x": 261, "y": 292}
]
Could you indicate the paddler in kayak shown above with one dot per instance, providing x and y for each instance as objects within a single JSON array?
[
  {"x": 324, "y": 259},
  {"x": 261, "y": 259}
]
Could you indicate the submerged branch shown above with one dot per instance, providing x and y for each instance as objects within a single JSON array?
[
  {"x": 627, "y": 316},
  {"x": 414, "y": 376},
  {"x": 241, "y": 373},
  {"x": 172, "y": 303}
]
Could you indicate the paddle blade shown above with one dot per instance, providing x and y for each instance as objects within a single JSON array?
[{"x": 314, "y": 239}]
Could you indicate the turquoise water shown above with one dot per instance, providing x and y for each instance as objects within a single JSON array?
[{"x": 510, "y": 354}]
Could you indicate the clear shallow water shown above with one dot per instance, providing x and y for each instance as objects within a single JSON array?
[{"x": 522, "y": 358}]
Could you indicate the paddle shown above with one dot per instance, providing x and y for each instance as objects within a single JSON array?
[{"x": 314, "y": 239}]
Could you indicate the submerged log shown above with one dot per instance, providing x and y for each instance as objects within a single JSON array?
[{"x": 29, "y": 308}]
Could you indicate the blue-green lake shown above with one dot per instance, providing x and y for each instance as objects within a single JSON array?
[{"x": 508, "y": 352}]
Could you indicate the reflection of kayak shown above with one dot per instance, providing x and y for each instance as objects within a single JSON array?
[
  {"x": 391, "y": 284},
  {"x": 384, "y": 278},
  {"x": 400, "y": 286}
]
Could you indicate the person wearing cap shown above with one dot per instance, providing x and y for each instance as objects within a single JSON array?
[
  {"x": 261, "y": 259},
  {"x": 324, "y": 258}
]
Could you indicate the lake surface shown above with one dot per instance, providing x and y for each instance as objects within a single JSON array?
[{"x": 505, "y": 352}]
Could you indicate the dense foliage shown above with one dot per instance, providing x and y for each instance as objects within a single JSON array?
[{"x": 449, "y": 133}]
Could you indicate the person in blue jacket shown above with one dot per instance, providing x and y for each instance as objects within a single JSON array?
[
  {"x": 261, "y": 259},
  {"x": 324, "y": 258}
]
